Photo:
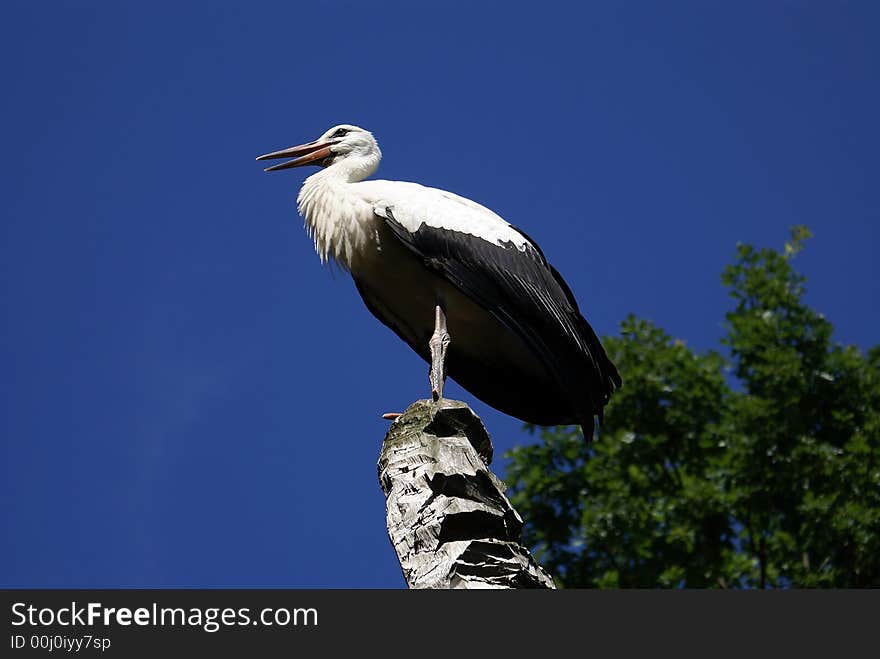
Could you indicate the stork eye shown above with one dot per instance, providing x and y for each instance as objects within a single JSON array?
[{"x": 342, "y": 132}]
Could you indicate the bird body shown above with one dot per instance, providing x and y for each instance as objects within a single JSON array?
[{"x": 519, "y": 342}]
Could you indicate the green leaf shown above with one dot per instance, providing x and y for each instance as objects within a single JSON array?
[{"x": 758, "y": 469}]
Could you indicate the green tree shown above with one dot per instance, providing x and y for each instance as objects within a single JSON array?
[{"x": 762, "y": 469}]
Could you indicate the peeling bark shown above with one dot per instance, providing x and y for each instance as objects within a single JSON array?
[{"x": 447, "y": 516}]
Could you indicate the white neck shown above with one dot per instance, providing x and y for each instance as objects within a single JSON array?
[
  {"x": 353, "y": 167},
  {"x": 335, "y": 215}
]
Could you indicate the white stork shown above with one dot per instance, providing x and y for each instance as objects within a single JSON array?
[{"x": 429, "y": 263}]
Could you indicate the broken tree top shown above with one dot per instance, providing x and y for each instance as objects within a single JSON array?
[{"x": 448, "y": 518}]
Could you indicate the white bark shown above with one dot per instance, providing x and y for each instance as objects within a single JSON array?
[{"x": 447, "y": 516}]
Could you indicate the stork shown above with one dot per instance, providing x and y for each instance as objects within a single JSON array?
[{"x": 470, "y": 293}]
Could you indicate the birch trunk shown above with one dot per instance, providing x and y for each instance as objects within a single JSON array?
[{"x": 447, "y": 516}]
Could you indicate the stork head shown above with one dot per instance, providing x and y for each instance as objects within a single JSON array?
[{"x": 342, "y": 147}]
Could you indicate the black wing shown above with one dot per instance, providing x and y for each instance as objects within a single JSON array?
[{"x": 529, "y": 297}]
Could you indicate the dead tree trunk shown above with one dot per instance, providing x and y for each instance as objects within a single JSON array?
[{"x": 447, "y": 516}]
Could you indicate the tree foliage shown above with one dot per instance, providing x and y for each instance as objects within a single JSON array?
[{"x": 760, "y": 468}]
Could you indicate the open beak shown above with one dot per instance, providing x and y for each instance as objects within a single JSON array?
[{"x": 305, "y": 154}]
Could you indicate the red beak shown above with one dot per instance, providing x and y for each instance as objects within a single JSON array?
[{"x": 305, "y": 154}]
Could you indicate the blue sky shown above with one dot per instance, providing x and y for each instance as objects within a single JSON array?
[{"x": 190, "y": 399}]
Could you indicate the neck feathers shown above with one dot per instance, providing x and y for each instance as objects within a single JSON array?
[{"x": 339, "y": 221}]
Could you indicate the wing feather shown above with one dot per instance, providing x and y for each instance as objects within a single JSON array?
[{"x": 513, "y": 280}]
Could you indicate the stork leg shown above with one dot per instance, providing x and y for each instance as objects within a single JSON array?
[{"x": 438, "y": 344}]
